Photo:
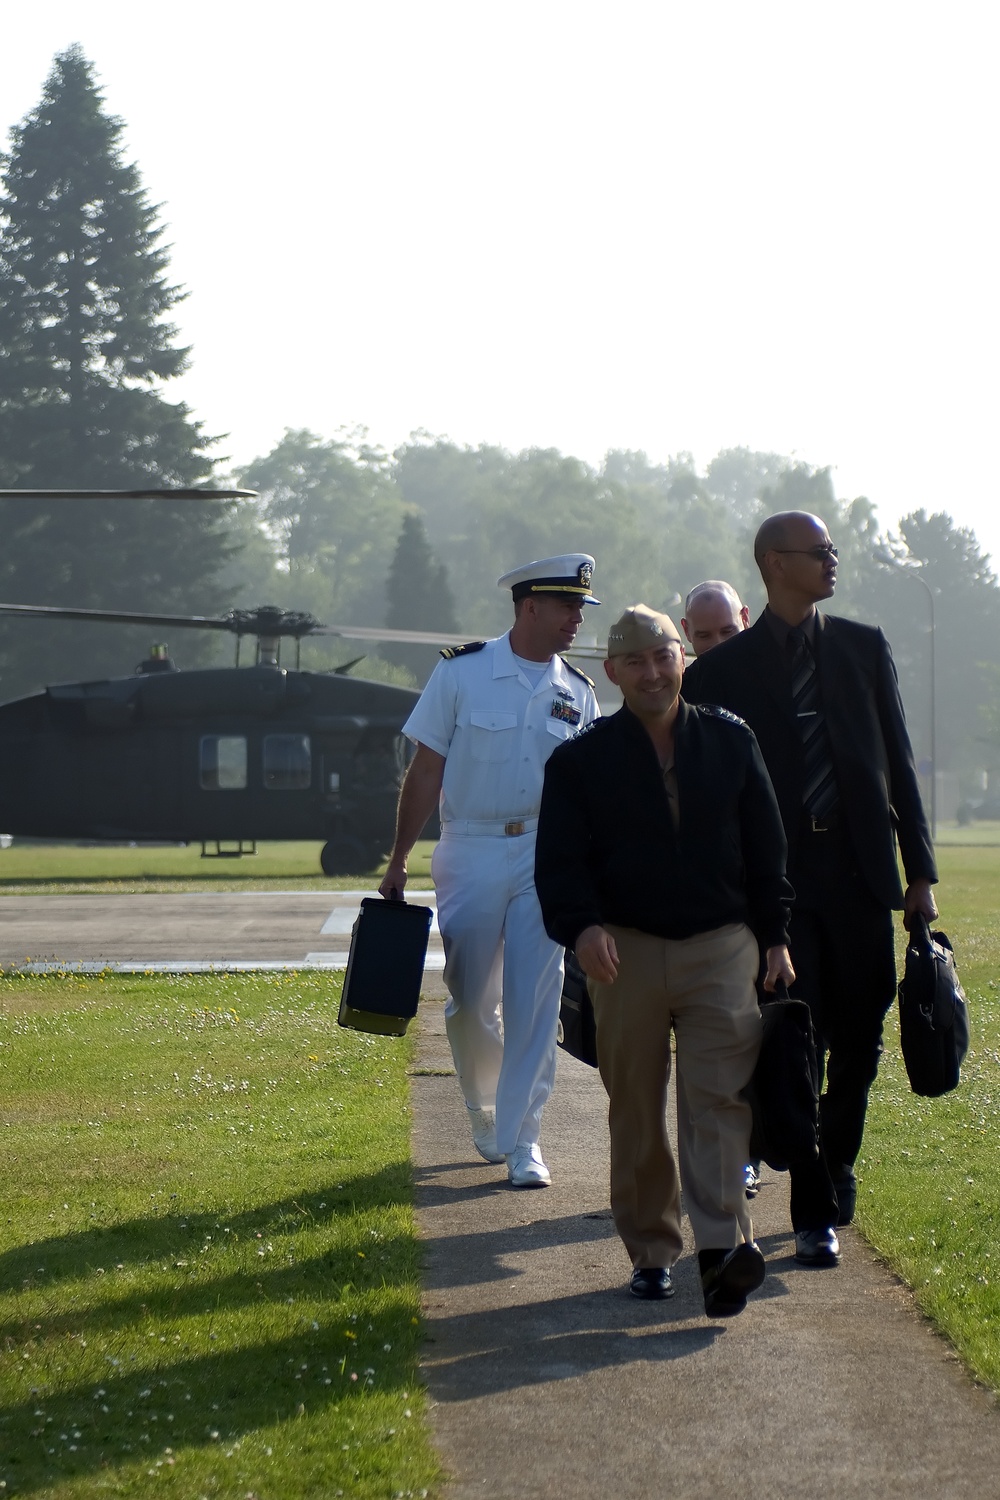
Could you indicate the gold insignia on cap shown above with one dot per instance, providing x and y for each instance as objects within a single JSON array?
[
  {"x": 572, "y": 573},
  {"x": 639, "y": 628}
]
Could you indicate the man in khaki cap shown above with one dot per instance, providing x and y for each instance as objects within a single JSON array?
[{"x": 659, "y": 846}]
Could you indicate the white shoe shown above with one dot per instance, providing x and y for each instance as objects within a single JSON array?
[
  {"x": 525, "y": 1168},
  {"x": 484, "y": 1134}
]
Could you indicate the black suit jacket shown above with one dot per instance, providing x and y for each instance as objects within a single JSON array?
[{"x": 873, "y": 759}]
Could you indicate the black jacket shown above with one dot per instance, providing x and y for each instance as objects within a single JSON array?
[
  {"x": 879, "y": 795},
  {"x": 607, "y": 849}
]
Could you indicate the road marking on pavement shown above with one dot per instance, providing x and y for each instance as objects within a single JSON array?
[
  {"x": 331, "y": 961},
  {"x": 340, "y": 922},
  {"x": 433, "y": 962}
]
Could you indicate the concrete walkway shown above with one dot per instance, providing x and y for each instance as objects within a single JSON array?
[{"x": 548, "y": 1380}]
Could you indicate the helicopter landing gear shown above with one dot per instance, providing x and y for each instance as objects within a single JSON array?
[{"x": 346, "y": 855}]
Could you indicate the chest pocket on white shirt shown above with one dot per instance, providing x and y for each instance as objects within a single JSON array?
[
  {"x": 492, "y": 734},
  {"x": 561, "y": 729}
]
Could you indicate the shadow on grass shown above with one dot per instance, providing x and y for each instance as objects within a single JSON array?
[
  {"x": 174, "y": 1394},
  {"x": 354, "y": 1268},
  {"x": 203, "y": 1401},
  {"x": 138, "y": 1242}
]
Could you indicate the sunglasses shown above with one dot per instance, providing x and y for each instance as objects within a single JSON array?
[{"x": 819, "y": 553}]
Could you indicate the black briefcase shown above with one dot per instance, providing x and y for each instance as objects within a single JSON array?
[
  {"x": 784, "y": 1090},
  {"x": 933, "y": 1019},
  {"x": 577, "y": 1032},
  {"x": 385, "y": 966}
]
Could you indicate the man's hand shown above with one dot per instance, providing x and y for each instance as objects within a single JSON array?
[
  {"x": 597, "y": 955},
  {"x": 417, "y": 799},
  {"x": 395, "y": 880},
  {"x": 779, "y": 969},
  {"x": 919, "y": 898}
]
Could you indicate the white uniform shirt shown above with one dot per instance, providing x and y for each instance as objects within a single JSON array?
[{"x": 496, "y": 730}]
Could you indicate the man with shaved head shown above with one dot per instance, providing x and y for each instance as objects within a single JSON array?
[
  {"x": 713, "y": 611},
  {"x": 659, "y": 848},
  {"x": 821, "y": 695}
]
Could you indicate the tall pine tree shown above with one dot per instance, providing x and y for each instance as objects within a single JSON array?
[
  {"x": 84, "y": 347},
  {"x": 419, "y": 597}
]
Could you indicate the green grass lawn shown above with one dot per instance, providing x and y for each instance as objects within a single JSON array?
[
  {"x": 209, "y": 1279},
  {"x": 968, "y": 835},
  {"x": 208, "y": 1274},
  {"x": 63, "y": 869},
  {"x": 929, "y": 1174}
]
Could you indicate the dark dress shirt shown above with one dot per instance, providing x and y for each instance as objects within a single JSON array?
[{"x": 608, "y": 851}]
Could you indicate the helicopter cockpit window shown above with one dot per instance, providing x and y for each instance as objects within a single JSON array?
[
  {"x": 223, "y": 762},
  {"x": 287, "y": 762}
]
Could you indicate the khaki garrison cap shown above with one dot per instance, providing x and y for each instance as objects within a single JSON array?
[
  {"x": 639, "y": 628},
  {"x": 567, "y": 575}
]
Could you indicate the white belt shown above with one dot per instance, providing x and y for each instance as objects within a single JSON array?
[{"x": 495, "y": 828}]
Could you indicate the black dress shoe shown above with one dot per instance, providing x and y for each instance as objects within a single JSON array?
[
  {"x": 817, "y": 1247},
  {"x": 727, "y": 1282},
  {"x": 651, "y": 1283}
]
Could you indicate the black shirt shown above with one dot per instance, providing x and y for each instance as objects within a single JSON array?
[{"x": 607, "y": 849}]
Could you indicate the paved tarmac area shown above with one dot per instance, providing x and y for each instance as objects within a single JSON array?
[
  {"x": 549, "y": 1380},
  {"x": 191, "y": 930}
]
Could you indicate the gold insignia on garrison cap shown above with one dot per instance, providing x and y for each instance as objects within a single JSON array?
[{"x": 639, "y": 628}]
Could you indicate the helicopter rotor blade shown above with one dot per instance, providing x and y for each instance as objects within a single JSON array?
[
  {"x": 385, "y": 633},
  {"x": 238, "y": 622},
  {"x": 433, "y": 638},
  {"x": 266, "y": 620},
  {"x": 161, "y": 494},
  {"x": 114, "y": 617}
]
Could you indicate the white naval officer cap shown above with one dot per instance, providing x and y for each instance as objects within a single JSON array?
[{"x": 569, "y": 574}]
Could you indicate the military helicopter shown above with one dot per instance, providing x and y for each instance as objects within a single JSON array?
[{"x": 218, "y": 756}]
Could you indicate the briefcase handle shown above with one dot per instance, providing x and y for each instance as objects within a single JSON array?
[
  {"x": 780, "y": 992},
  {"x": 920, "y": 934}
]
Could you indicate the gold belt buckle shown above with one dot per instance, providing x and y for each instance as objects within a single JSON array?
[{"x": 512, "y": 829}]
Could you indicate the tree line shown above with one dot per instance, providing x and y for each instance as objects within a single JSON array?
[{"x": 357, "y": 535}]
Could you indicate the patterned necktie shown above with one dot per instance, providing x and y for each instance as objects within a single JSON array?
[{"x": 819, "y": 785}]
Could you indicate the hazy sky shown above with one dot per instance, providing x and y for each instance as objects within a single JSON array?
[{"x": 666, "y": 226}]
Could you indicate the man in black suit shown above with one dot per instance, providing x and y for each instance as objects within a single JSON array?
[{"x": 821, "y": 695}]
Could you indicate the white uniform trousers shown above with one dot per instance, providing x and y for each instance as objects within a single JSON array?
[{"x": 497, "y": 953}]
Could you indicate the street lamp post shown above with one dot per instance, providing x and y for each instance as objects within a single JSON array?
[{"x": 912, "y": 570}]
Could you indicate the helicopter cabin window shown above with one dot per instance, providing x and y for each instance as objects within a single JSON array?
[
  {"x": 287, "y": 762},
  {"x": 223, "y": 765}
]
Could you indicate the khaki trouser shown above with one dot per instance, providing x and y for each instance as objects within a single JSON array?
[{"x": 702, "y": 988}]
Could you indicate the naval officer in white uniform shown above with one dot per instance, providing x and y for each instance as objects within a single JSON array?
[{"x": 486, "y": 723}]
